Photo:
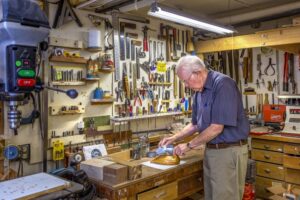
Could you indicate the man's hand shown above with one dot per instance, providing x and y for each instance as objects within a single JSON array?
[
  {"x": 167, "y": 140},
  {"x": 181, "y": 149}
]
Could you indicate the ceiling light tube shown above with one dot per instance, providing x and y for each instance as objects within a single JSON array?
[{"x": 175, "y": 16}]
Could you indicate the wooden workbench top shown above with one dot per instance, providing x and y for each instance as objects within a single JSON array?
[
  {"x": 278, "y": 137},
  {"x": 190, "y": 158}
]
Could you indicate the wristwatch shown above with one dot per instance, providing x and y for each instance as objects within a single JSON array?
[{"x": 189, "y": 145}]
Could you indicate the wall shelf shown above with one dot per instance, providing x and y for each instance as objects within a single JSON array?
[
  {"x": 102, "y": 101},
  {"x": 62, "y": 83},
  {"x": 91, "y": 79},
  {"x": 57, "y": 110},
  {"x": 106, "y": 70},
  {"x": 79, "y": 60},
  {"x": 289, "y": 96},
  {"x": 159, "y": 83},
  {"x": 121, "y": 119},
  {"x": 94, "y": 49}
]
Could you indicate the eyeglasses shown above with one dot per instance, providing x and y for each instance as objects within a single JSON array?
[{"x": 188, "y": 79}]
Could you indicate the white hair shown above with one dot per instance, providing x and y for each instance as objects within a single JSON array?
[{"x": 189, "y": 64}]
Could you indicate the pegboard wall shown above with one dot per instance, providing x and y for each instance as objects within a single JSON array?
[{"x": 60, "y": 124}]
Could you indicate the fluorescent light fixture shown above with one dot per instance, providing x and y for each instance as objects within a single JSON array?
[{"x": 175, "y": 16}]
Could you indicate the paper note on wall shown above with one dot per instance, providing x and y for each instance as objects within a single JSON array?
[{"x": 94, "y": 151}]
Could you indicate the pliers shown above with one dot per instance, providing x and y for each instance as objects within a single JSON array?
[
  {"x": 137, "y": 98},
  {"x": 270, "y": 66}
]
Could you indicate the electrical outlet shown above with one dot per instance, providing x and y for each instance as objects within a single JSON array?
[{"x": 25, "y": 151}]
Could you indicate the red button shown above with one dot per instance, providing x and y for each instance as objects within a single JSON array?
[{"x": 26, "y": 82}]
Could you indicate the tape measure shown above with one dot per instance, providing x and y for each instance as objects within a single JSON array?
[{"x": 11, "y": 152}]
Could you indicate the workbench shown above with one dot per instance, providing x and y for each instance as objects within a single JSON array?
[
  {"x": 175, "y": 183},
  {"x": 277, "y": 162}
]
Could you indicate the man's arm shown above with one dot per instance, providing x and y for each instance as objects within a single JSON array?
[
  {"x": 186, "y": 131},
  {"x": 208, "y": 134}
]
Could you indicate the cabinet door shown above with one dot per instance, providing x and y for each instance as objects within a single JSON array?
[
  {"x": 270, "y": 170},
  {"x": 267, "y": 145},
  {"x": 291, "y": 162},
  {"x": 292, "y": 149},
  {"x": 292, "y": 176},
  {"x": 165, "y": 192},
  {"x": 261, "y": 186},
  {"x": 267, "y": 156}
]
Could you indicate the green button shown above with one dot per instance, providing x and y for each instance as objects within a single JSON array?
[
  {"x": 26, "y": 73},
  {"x": 18, "y": 63}
]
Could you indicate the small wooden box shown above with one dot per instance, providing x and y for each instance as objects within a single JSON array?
[
  {"x": 115, "y": 173},
  {"x": 94, "y": 168},
  {"x": 134, "y": 168}
]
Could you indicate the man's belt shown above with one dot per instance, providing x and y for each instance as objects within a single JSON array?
[{"x": 226, "y": 145}]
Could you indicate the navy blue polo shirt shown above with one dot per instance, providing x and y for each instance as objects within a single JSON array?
[{"x": 220, "y": 102}]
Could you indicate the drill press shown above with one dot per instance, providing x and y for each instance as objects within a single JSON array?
[{"x": 23, "y": 26}]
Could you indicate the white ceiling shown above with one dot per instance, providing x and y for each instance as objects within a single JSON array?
[{"x": 224, "y": 12}]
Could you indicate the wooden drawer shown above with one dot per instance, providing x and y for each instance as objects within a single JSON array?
[
  {"x": 270, "y": 170},
  {"x": 292, "y": 175},
  {"x": 190, "y": 184},
  {"x": 261, "y": 186},
  {"x": 267, "y": 145},
  {"x": 291, "y": 149},
  {"x": 291, "y": 162},
  {"x": 165, "y": 192},
  {"x": 267, "y": 156}
]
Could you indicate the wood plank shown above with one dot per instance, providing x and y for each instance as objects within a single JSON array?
[
  {"x": 272, "y": 38},
  {"x": 79, "y": 60},
  {"x": 32, "y": 186},
  {"x": 278, "y": 137}
]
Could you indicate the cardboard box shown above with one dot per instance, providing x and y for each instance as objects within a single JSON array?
[
  {"x": 94, "y": 168},
  {"x": 115, "y": 173}
]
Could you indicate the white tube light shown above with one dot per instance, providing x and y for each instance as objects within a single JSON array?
[{"x": 160, "y": 12}]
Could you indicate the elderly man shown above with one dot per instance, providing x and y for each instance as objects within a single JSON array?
[{"x": 219, "y": 117}]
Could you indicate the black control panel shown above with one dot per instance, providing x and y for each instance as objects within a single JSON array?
[{"x": 21, "y": 68}]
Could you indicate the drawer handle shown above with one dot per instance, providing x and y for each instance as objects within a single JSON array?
[
  {"x": 268, "y": 171},
  {"x": 159, "y": 195},
  {"x": 267, "y": 156},
  {"x": 267, "y": 146}
]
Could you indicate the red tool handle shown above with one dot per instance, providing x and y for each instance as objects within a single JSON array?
[
  {"x": 285, "y": 86},
  {"x": 145, "y": 44}
]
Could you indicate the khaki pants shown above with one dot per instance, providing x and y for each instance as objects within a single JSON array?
[{"x": 225, "y": 173}]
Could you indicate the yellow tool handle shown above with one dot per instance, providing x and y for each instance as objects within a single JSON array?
[
  {"x": 126, "y": 85},
  {"x": 266, "y": 98}
]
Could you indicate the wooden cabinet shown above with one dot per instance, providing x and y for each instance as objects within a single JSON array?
[
  {"x": 174, "y": 183},
  {"x": 277, "y": 162}
]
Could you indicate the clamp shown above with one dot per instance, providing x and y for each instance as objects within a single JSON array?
[{"x": 119, "y": 91}]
